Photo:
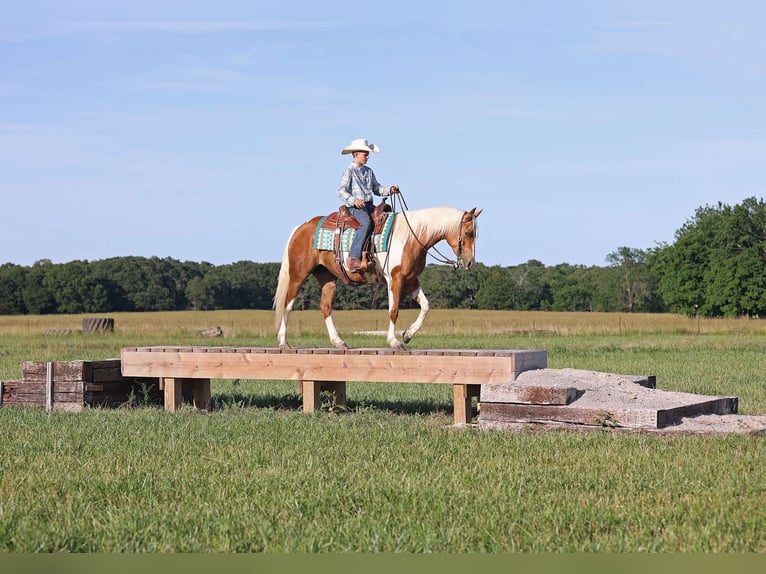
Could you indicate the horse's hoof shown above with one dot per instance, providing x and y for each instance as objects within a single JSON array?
[
  {"x": 405, "y": 337},
  {"x": 285, "y": 347},
  {"x": 341, "y": 345},
  {"x": 397, "y": 346}
]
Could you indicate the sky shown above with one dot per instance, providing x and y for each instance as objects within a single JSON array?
[{"x": 207, "y": 130}]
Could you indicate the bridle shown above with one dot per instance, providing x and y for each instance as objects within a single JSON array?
[{"x": 440, "y": 257}]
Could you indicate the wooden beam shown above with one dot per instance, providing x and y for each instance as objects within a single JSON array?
[
  {"x": 444, "y": 367},
  {"x": 173, "y": 395},
  {"x": 607, "y": 415},
  {"x": 311, "y": 396},
  {"x": 49, "y": 386},
  {"x": 527, "y": 394},
  {"x": 201, "y": 393},
  {"x": 338, "y": 388},
  {"x": 462, "y": 402}
]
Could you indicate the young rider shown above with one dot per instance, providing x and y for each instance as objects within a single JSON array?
[{"x": 357, "y": 186}]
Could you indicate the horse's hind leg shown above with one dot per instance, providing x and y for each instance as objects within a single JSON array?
[
  {"x": 294, "y": 282},
  {"x": 328, "y": 282}
]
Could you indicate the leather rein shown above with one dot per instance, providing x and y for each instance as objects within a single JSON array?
[{"x": 440, "y": 258}]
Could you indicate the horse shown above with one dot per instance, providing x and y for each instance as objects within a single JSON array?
[{"x": 412, "y": 234}]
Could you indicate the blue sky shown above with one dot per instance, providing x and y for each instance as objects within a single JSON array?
[{"x": 205, "y": 131}]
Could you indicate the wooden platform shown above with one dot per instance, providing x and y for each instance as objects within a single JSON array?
[{"x": 323, "y": 368}]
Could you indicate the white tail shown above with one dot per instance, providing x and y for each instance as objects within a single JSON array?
[{"x": 280, "y": 303}]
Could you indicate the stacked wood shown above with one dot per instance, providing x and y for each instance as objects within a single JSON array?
[
  {"x": 97, "y": 325},
  {"x": 74, "y": 385}
]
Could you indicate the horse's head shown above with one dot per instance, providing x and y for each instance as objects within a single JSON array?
[{"x": 464, "y": 243}]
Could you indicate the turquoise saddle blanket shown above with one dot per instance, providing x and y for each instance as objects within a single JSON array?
[{"x": 323, "y": 238}]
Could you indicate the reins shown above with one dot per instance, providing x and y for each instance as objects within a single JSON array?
[{"x": 441, "y": 258}]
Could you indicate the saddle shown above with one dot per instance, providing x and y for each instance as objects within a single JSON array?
[{"x": 341, "y": 220}]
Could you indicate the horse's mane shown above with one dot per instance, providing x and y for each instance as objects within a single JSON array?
[{"x": 433, "y": 222}]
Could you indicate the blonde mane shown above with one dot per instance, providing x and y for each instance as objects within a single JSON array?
[{"x": 432, "y": 222}]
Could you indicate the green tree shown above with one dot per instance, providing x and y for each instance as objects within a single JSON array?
[
  {"x": 717, "y": 265},
  {"x": 12, "y": 281},
  {"x": 38, "y": 297},
  {"x": 448, "y": 288},
  {"x": 635, "y": 278}
]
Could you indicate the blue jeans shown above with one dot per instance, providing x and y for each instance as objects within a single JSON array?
[{"x": 365, "y": 226}]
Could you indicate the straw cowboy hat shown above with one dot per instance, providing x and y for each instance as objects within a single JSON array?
[{"x": 360, "y": 145}]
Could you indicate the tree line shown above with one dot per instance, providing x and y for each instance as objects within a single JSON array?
[{"x": 715, "y": 267}]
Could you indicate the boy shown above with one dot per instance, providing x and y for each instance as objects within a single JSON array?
[{"x": 357, "y": 186}]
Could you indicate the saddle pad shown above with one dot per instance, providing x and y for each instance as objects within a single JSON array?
[{"x": 323, "y": 238}]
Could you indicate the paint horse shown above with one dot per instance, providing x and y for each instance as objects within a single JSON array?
[{"x": 412, "y": 234}]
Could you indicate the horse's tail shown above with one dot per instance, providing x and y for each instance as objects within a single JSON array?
[{"x": 280, "y": 302}]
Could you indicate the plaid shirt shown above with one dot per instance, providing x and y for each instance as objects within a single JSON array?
[{"x": 359, "y": 182}]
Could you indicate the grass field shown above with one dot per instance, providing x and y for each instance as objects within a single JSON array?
[{"x": 390, "y": 474}]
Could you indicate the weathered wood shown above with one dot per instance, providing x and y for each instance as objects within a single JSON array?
[
  {"x": 97, "y": 325},
  {"x": 94, "y": 371},
  {"x": 650, "y": 418},
  {"x": 48, "y": 386},
  {"x": 525, "y": 394},
  {"x": 89, "y": 383}
]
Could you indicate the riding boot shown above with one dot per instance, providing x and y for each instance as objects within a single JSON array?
[{"x": 354, "y": 265}]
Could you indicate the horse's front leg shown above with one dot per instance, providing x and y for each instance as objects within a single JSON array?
[
  {"x": 394, "y": 291},
  {"x": 419, "y": 296},
  {"x": 394, "y": 296}
]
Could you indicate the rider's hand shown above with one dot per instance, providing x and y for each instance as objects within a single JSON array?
[
  {"x": 359, "y": 203},
  {"x": 394, "y": 189}
]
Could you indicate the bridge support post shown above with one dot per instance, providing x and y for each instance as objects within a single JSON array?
[
  {"x": 312, "y": 391},
  {"x": 462, "y": 399},
  {"x": 173, "y": 389}
]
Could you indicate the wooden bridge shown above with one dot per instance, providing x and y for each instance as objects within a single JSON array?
[{"x": 319, "y": 369}]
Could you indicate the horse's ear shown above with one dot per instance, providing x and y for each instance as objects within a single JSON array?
[{"x": 476, "y": 213}]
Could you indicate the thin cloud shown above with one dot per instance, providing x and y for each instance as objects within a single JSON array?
[{"x": 188, "y": 27}]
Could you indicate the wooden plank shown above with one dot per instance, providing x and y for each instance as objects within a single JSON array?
[
  {"x": 338, "y": 388},
  {"x": 715, "y": 406},
  {"x": 70, "y": 371},
  {"x": 463, "y": 411},
  {"x": 527, "y": 394},
  {"x": 107, "y": 374},
  {"x": 636, "y": 417},
  {"x": 49, "y": 386},
  {"x": 311, "y": 396},
  {"x": 356, "y": 365},
  {"x": 518, "y": 413},
  {"x": 201, "y": 393},
  {"x": 173, "y": 396}
]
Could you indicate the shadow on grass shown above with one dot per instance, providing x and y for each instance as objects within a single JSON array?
[{"x": 294, "y": 401}]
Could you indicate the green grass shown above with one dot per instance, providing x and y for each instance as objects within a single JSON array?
[{"x": 390, "y": 474}]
